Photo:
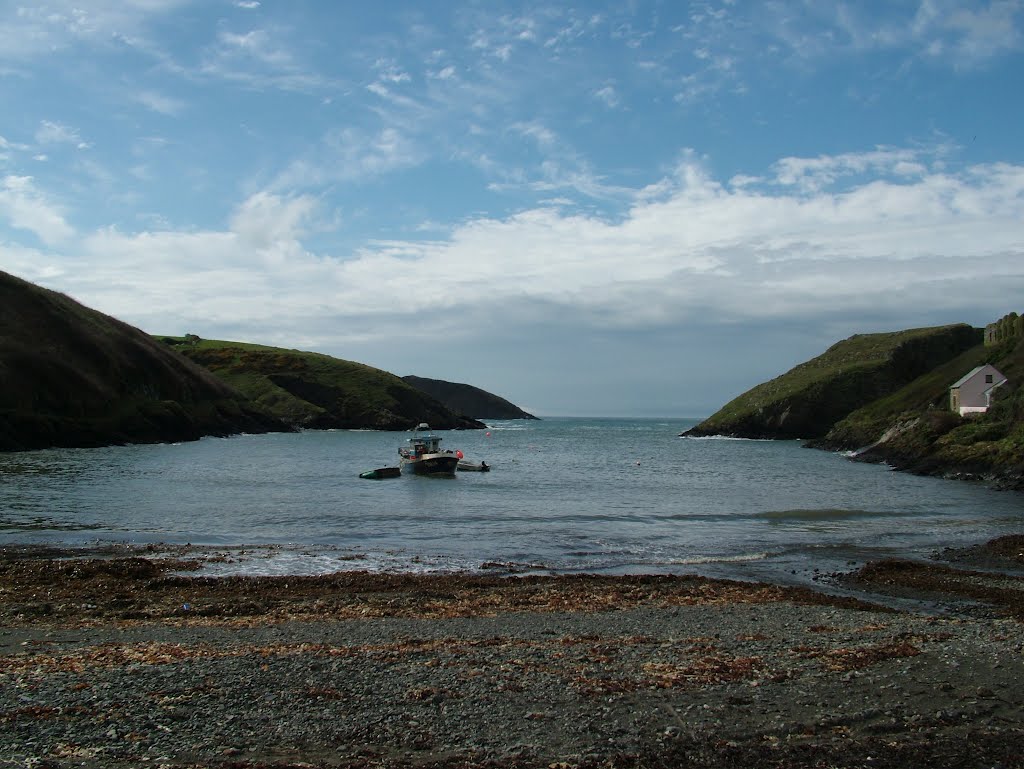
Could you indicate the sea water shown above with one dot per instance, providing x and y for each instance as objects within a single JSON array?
[{"x": 564, "y": 495}]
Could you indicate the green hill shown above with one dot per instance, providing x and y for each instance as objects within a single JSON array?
[
  {"x": 73, "y": 376},
  {"x": 467, "y": 399},
  {"x": 927, "y": 393},
  {"x": 315, "y": 391},
  {"x": 914, "y": 429},
  {"x": 808, "y": 400}
]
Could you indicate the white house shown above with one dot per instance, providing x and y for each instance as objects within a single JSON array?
[{"x": 972, "y": 394}]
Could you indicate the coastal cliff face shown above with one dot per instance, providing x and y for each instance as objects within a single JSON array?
[
  {"x": 933, "y": 440},
  {"x": 467, "y": 399},
  {"x": 313, "y": 391},
  {"x": 75, "y": 377},
  {"x": 809, "y": 399},
  {"x": 885, "y": 398}
]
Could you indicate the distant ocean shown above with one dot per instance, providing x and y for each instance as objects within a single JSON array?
[{"x": 565, "y": 495}]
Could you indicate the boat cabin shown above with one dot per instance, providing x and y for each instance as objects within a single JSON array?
[{"x": 423, "y": 442}]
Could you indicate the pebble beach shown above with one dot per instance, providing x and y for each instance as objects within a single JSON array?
[{"x": 119, "y": 659}]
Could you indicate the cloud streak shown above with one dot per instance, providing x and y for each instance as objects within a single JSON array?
[
  {"x": 701, "y": 248},
  {"x": 26, "y": 208}
]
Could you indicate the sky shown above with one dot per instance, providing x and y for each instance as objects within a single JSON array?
[{"x": 629, "y": 208}]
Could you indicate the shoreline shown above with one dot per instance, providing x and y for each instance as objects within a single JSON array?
[{"x": 114, "y": 660}]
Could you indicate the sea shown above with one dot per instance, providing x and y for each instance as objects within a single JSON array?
[{"x": 564, "y": 495}]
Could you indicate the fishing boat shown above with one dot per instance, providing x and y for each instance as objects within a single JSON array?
[{"x": 424, "y": 455}]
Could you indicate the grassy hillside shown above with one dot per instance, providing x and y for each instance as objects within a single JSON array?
[
  {"x": 808, "y": 400},
  {"x": 76, "y": 377},
  {"x": 915, "y": 430},
  {"x": 929, "y": 392},
  {"x": 467, "y": 399},
  {"x": 317, "y": 391}
]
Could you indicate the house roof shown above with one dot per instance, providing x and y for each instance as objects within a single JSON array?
[
  {"x": 970, "y": 374},
  {"x": 998, "y": 384},
  {"x": 966, "y": 377}
]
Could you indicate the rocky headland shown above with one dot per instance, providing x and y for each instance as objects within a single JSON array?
[
  {"x": 75, "y": 377},
  {"x": 885, "y": 398}
]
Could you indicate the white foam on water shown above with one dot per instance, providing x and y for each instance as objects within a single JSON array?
[
  {"x": 729, "y": 438},
  {"x": 297, "y": 560},
  {"x": 699, "y": 560}
]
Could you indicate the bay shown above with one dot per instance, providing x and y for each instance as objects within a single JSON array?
[{"x": 564, "y": 495}]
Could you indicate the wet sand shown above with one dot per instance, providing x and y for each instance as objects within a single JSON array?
[{"x": 116, "y": 659}]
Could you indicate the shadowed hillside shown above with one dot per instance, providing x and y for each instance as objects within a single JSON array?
[
  {"x": 915, "y": 430},
  {"x": 886, "y": 398},
  {"x": 808, "y": 400},
  {"x": 315, "y": 391},
  {"x": 72, "y": 376},
  {"x": 467, "y": 399}
]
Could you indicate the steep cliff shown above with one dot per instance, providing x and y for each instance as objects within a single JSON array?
[
  {"x": 72, "y": 376},
  {"x": 809, "y": 399},
  {"x": 914, "y": 429}
]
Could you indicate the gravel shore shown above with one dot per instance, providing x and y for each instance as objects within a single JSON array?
[{"x": 118, "y": 662}]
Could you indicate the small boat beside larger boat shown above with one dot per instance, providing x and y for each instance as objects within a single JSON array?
[
  {"x": 380, "y": 473},
  {"x": 424, "y": 455}
]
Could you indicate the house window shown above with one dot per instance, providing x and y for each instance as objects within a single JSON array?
[{"x": 988, "y": 379}]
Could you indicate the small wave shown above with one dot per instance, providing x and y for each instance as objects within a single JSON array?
[
  {"x": 288, "y": 560},
  {"x": 727, "y": 438},
  {"x": 703, "y": 559},
  {"x": 513, "y": 567},
  {"x": 821, "y": 514}
]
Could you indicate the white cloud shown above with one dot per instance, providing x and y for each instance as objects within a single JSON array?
[
  {"x": 389, "y": 72},
  {"x": 266, "y": 221},
  {"x": 351, "y": 155},
  {"x": 26, "y": 209},
  {"x": 812, "y": 174},
  {"x": 608, "y": 95},
  {"x": 537, "y": 131},
  {"x": 255, "y": 44},
  {"x": 56, "y": 133},
  {"x": 966, "y": 36},
  {"x": 697, "y": 250},
  {"x": 157, "y": 102},
  {"x": 261, "y": 58},
  {"x": 29, "y": 30}
]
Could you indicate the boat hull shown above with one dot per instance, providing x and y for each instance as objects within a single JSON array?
[
  {"x": 431, "y": 464},
  {"x": 380, "y": 473}
]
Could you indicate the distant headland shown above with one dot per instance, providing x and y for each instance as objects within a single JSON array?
[{"x": 74, "y": 377}]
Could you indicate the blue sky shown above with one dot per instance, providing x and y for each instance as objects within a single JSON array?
[{"x": 623, "y": 208}]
